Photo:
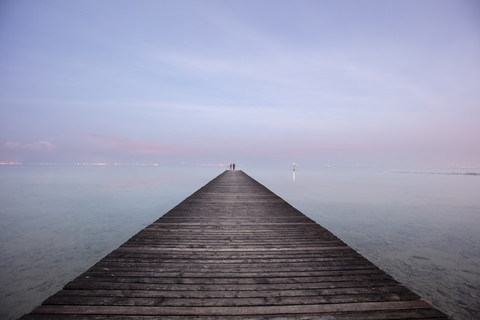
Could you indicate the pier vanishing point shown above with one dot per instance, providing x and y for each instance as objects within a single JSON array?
[{"x": 234, "y": 250}]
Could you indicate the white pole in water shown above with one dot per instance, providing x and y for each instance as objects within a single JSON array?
[{"x": 294, "y": 172}]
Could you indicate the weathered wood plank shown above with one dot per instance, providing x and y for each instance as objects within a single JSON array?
[
  {"x": 393, "y": 288},
  {"x": 85, "y": 285},
  {"x": 228, "y": 311},
  {"x": 228, "y": 275},
  {"x": 431, "y": 314},
  {"x": 225, "y": 267},
  {"x": 225, "y": 302}
]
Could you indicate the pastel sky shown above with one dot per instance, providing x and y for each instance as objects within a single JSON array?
[{"x": 390, "y": 83}]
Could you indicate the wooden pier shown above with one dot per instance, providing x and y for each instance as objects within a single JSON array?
[{"x": 234, "y": 250}]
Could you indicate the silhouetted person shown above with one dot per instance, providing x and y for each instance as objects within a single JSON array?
[{"x": 234, "y": 166}]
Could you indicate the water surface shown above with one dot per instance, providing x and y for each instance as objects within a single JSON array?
[{"x": 421, "y": 227}]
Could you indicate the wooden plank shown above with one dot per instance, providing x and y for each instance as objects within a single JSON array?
[
  {"x": 228, "y": 311},
  {"x": 111, "y": 285},
  {"x": 229, "y": 275},
  {"x": 225, "y": 302},
  {"x": 234, "y": 250},
  {"x": 367, "y": 315},
  {"x": 393, "y": 288},
  {"x": 223, "y": 270}
]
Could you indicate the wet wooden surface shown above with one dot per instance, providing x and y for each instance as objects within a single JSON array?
[{"x": 234, "y": 250}]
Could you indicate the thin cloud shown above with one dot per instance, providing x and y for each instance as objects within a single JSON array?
[
  {"x": 122, "y": 145},
  {"x": 35, "y": 146}
]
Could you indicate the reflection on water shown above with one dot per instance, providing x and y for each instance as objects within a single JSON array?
[{"x": 421, "y": 228}]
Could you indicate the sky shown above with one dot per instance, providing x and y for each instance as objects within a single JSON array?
[{"x": 357, "y": 83}]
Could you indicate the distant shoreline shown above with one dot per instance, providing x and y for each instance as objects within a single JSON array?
[{"x": 442, "y": 173}]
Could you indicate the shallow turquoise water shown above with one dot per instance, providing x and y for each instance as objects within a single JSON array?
[{"x": 422, "y": 228}]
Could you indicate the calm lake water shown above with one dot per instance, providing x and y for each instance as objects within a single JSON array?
[{"x": 421, "y": 226}]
